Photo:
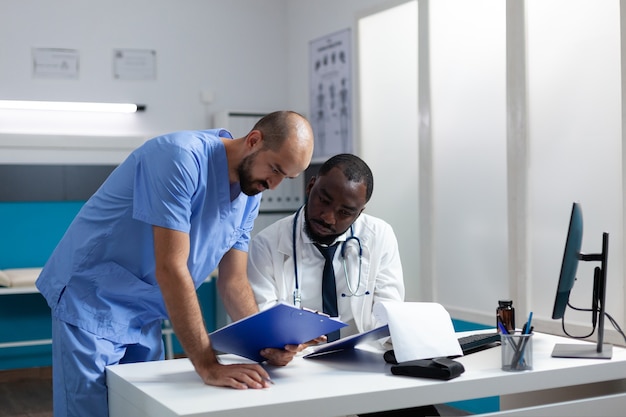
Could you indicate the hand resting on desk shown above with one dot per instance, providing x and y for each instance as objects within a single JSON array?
[{"x": 281, "y": 357}]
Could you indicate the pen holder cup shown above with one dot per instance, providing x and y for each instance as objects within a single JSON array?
[{"x": 517, "y": 351}]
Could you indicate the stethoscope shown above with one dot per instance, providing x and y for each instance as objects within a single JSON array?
[{"x": 297, "y": 293}]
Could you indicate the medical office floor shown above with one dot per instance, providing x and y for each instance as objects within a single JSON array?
[{"x": 28, "y": 393}]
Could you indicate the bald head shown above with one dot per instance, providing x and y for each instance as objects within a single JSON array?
[{"x": 289, "y": 133}]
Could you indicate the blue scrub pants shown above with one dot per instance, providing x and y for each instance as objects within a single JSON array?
[{"x": 79, "y": 359}]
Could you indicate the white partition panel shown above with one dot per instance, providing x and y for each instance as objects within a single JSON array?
[
  {"x": 469, "y": 154},
  {"x": 575, "y": 146},
  {"x": 388, "y": 125}
]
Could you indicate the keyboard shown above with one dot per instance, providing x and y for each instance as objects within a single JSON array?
[
  {"x": 469, "y": 344},
  {"x": 478, "y": 341}
]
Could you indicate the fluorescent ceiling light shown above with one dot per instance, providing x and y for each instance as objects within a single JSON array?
[{"x": 71, "y": 106}]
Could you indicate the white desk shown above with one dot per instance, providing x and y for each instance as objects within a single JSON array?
[{"x": 360, "y": 381}]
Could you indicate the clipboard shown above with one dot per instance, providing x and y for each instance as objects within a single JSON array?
[
  {"x": 280, "y": 325},
  {"x": 350, "y": 342}
]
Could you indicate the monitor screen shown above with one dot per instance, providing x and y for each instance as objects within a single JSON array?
[
  {"x": 571, "y": 257},
  {"x": 570, "y": 262}
]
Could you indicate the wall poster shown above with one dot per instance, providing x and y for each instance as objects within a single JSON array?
[
  {"x": 55, "y": 63},
  {"x": 330, "y": 92},
  {"x": 134, "y": 64}
]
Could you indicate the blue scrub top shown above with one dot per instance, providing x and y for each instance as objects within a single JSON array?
[{"x": 101, "y": 276}]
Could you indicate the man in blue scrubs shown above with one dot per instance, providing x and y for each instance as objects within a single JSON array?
[{"x": 179, "y": 206}]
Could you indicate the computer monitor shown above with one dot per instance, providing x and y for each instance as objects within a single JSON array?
[{"x": 569, "y": 266}]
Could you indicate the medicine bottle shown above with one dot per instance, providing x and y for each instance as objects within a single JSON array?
[{"x": 505, "y": 314}]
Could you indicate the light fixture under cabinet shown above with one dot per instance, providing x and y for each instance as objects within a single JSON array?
[{"x": 71, "y": 106}]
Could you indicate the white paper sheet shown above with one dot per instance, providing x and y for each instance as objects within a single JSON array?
[{"x": 418, "y": 330}]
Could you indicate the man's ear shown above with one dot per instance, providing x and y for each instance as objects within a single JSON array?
[
  {"x": 310, "y": 185},
  {"x": 254, "y": 139}
]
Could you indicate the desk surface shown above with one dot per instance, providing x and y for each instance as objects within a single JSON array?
[{"x": 343, "y": 383}]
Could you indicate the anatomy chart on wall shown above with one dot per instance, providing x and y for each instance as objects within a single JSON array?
[{"x": 330, "y": 94}]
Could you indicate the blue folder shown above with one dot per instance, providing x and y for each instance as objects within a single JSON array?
[
  {"x": 350, "y": 342},
  {"x": 279, "y": 325}
]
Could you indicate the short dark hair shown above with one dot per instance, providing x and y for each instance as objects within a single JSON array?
[
  {"x": 354, "y": 168},
  {"x": 276, "y": 127}
]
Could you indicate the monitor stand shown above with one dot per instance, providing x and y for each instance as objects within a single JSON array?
[{"x": 562, "y": 350}]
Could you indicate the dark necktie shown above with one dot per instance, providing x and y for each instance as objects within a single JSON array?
[{"x": 329, "y": 290}]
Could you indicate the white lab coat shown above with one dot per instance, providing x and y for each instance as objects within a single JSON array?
[{"x": 271, "y": 269}]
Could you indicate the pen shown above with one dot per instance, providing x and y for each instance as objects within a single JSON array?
[
  {"x": 528, "y": 329},
  {"x": 527, "y": 325},
  {"x": 502, "y": 328},
  {"x": 269, "y": 380},
  {"x": 522, "y": 349},
  {"x": 315, "y": 311}
]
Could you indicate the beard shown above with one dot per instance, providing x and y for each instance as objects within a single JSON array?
[
  {"x": 316, "y": 237},
  {"x": 249, "y": 186}
]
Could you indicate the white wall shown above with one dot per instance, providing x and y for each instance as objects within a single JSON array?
[
  {"x": 388, "y": 123},
  {"x": 235, "y": 50}
]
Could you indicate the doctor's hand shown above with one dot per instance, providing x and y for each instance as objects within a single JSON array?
[
  {"x": 239, "y": 376},
  {"x": 281, "y": 357}
]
